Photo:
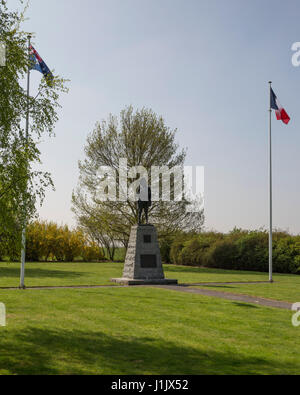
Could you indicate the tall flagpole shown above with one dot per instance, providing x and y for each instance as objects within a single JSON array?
[
  {"x": 270, "y": 194},
  {"x": 23, "y": 252}
]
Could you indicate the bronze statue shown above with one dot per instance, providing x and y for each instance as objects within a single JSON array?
[{"x": 144, "y": 201}]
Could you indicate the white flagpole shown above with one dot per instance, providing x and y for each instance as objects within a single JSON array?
[
  {"x": 23, "y": 252},
  {"x": 270, "y": 194}
]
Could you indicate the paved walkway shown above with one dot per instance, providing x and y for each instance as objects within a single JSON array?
[
  {"x": 188, "y": 289},
  {"x": 226, "y": 283},
  {"x": 62, "y": 287},
  {"x": 230, "y": 296}
]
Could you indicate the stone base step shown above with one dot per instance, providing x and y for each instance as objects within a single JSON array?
[{"x": 130, "y": 281}]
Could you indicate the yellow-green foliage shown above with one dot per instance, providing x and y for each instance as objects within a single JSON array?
[
  {"x": 48, "y": 241},
  {"x": 92, "y": 252}
]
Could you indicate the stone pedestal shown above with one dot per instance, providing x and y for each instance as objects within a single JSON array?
[{"x": 143, "y": 263}]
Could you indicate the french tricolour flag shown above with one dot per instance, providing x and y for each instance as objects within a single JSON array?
[{"x": 279, "y": 110}]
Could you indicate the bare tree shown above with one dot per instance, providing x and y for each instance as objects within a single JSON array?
[{"x": 144, "y": 140}]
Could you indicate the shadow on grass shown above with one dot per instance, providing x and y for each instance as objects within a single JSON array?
[
  {"x": 247, "y": 305},
  {"x": 59, "y": 351},
  {"x": 37, "y": 272}
]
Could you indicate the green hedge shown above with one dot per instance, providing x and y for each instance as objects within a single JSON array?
[{"x": 238, "y": 250}]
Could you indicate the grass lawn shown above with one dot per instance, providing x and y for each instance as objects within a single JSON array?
[
  {"x": 188, "y": 274},
  {"x": 143, "y": 331},
  {"x": 286, "y": 287},
  {"x": 50, "y": 274},
  {"x": 100, "y": 273}
]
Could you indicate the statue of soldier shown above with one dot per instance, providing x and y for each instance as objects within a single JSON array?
[{"x": 144, "y": 201}]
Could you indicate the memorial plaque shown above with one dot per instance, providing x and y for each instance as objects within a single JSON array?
[
  {"x": 148, "y": 261},
  {"x": 147, "y": 239}
]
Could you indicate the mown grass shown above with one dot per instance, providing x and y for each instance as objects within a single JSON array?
[
  {"x": 143, "y": 331},
  {"x": 286, "y": 287},
  {"x": 59, "y": 274},
  {"x": 190, "y": 274}
]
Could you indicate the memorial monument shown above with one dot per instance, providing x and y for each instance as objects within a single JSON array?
[{"x": 143, "y": 264}]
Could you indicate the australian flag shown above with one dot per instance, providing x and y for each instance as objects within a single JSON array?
[{"x": 38, "y": 64}]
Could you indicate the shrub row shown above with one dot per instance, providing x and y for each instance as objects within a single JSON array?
[
  {"x": 238, "y": 250},
  {"x": 46, "y": 241}
]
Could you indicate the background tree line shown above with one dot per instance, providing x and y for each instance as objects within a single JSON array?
[{"x": 237, "y": 250}]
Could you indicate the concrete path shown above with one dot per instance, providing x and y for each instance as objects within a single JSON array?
[
  {"x": 226, "y": 283},
  {"x": 62, "y": 287},
  {"x": 230, "y": 296}
]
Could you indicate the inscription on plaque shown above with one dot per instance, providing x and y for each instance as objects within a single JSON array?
[
  {"x": 148, "y": 261},
  {"x": 147, "y": 239}
]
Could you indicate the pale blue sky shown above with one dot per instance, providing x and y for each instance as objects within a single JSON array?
[{"x": 205, "y": 66}]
